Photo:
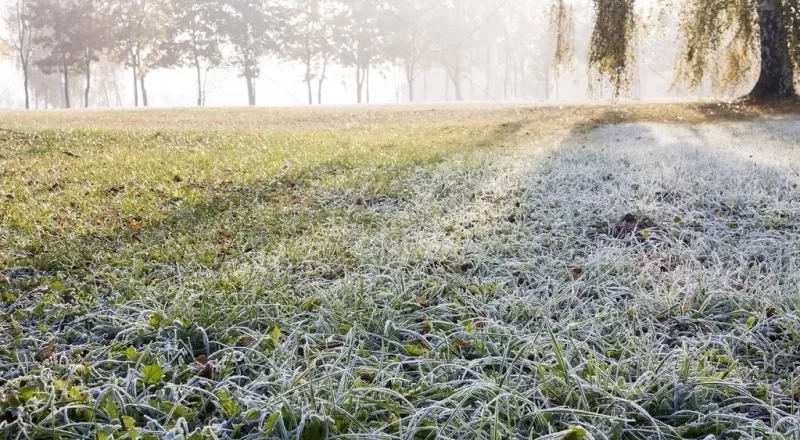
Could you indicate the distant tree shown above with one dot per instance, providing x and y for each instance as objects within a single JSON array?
[
  {"x": 738, "y": 30},
  {"x": 360, "y": 38},
  {"x": 312, "y": 41},
  {"x": 194, "y": 39},
  {"x": 58, "y": 33},
  {"x": 139, "y": 34},
  {"x": 21, "y": 37},
  {"x": 252, "y": 28},
  {"x": 406, "y": 25}
]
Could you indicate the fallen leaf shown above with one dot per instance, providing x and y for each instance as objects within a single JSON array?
[
  {"x": 480, "y": 325},
  {"x": 422, "y": 301},
  {"x": 460, "y": 346},
  {"x": 244, "y": 341},
  {"x": 135, "y": 227},
  {"x": 47, "y": 351},
  {"x": 201, "y": 359},
  {"x": 206, "y": 372},
  {"x": 576, "y": 273}
]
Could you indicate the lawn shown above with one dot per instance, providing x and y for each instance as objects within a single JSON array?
[{"x": 625, "y": 272}]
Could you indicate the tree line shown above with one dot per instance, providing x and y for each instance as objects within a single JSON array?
[
  {"x": 73, "y": 38},
  {"x": 516, "y": 45}
]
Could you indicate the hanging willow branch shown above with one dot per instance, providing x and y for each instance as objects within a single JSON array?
[
  {"x": 720, "y": 42},
  {"x": 611, "y": 51},
  {"x": 562, "y": 27}
]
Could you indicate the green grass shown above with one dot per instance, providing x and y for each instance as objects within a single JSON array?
[{"x": 392, "y": 273}]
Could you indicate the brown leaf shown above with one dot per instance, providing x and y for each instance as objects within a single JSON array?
[
  {"x": 770, "y": 313},
  {"x": 226, "y": 234},
  {"x": 206, "y": 371},
  {"x": 47, "y": 351},
  {"x": 136, "y": 230},
  {"x": 576, "y": 273},
  {"x": 460, "y": 346},
  {"x": 177, "y": 178},
  {"x": 135, "y": 227},
  {"x": 244, "y": 341},
  {"x": 480, "y": 325},
  {"x": 201, "y": 359}
]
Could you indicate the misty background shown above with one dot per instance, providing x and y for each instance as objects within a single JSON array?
[{"x": 421, "y": 50}]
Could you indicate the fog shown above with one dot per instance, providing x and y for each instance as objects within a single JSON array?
[{"x": 490, "y": 51}]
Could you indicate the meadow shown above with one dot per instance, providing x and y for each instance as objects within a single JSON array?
[{"x": 460, "y": 272}]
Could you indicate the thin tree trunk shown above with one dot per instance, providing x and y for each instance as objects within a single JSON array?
[
  {"x": 367, "y": 85},
  {"x": 200, "y": 99},
  {"x": 144, "y": 92},
  {"x": 410, "y": 80},
  {"x": 25, "y": 81},
  {"x": 425, "y": 86},
  {"x": 117, "y": 93},
  {"x": 66, "y": 83},
  {"x": 321, "y": 80},
  {"x": 776, "y": 80},
  {"x": 308, "y": 82},
  {"x": 135, "y": 87},
  {"x": 359, "y": 84},
  {"x": 88, "y": 81}
]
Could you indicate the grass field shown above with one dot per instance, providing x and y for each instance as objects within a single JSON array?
[{"x": 628, "y": 272}]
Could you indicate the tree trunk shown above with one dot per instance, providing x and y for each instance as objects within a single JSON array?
[
  {"x": 251, "y": 90},
  {"x": 321, "y": 80},
  {"x": 66, "y": 84},
  {"x": 776, "y": 80},
  {"x": 410, "y": 80},
  {"x": 135, "y": 87},
  {"x": 25, "y": 82},
  {"x": 144, "y": 92},
  {"x": 308, "y": 82},
  {"x": 199, "y": 81},
  {"x": 455, "y": 76},
  {"x": 359, "y": 84},
  {"x": 88, "y": 81},
  {"x": 367, "y": 85}
]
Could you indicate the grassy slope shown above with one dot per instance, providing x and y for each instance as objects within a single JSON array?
[{"x": 390, "y": 272}]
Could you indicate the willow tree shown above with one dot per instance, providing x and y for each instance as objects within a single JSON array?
[{"x": 721, "y": 38}]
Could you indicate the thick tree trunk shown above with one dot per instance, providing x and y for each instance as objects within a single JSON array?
[
  {"x": 776, "y": 80},
  {"x": 410, "y": 80},
  {"x": 251, "y": 91},
  {"x": 455, "y": 77},
  {"x": 66, "y": 84},
  {"x": 144, "y": 92}
]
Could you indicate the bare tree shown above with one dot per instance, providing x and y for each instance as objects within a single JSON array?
[{"x": 21, "y": 38}]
